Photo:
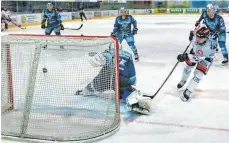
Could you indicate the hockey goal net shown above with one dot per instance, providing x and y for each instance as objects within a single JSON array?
[{"x": 40, "y": 78}]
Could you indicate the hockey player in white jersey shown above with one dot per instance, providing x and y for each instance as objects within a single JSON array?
[
  {"x": 5, "y": 18},
  {"x": 200, "y": 59}
]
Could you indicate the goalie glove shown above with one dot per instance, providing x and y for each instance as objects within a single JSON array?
[
  {"x": 138, "y": 103},
  {"x": 96, "y": 59}
]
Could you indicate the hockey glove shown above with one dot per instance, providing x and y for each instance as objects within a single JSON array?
[
  {"x": 182, "y": 57},
  {"x": 43, "y": 26},
  {"x": 135, "y": 31},
  {"x": 112, "y": 34},
  {"x": 216, "y": 35},
  {"x": 9, "y": 19},
  {"x": 61, "y": 26},
  {"x": 191, "y": 36},
  {"x": 197, "y": 23}
]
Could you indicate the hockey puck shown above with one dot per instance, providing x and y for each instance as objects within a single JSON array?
[{"x": 45, "y": 70}]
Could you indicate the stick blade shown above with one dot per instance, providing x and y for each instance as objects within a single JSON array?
[{"x": 75, "y": 28}]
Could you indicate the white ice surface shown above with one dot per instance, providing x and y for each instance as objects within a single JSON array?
[{"x": 205, "y": 119}]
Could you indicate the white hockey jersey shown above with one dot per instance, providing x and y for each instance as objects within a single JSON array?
[
  {"x": 201, "y": 52},
  {"x": 5, "y": 14}
]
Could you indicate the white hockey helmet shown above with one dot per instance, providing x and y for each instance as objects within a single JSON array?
[
  {"x": 49, "y": 5},
  {"x": 210, "y": 8},
  {"x": 123, "y": 10}
]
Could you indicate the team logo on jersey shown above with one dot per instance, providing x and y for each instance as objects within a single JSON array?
[
  {"x": 200, "y": 52},
  {"x": 122, "y": 62}
]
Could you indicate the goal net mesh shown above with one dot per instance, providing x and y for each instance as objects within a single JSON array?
[{"x": 41, "y": 78}]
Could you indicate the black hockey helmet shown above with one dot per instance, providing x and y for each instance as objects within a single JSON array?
[{"x": 202, "y": 31}]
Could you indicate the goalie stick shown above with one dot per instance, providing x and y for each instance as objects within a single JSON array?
[{"x": 152, "y": 96}]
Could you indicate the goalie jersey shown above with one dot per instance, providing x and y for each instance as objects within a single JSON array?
[
  {"x": 106, "y": 75},
  {"x": 126, "y": 65}
]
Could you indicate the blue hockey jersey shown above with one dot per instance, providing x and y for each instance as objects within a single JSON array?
[
  {"x": 126, "y": 65},
  {"x": 123, "y": 26},
  {"x": 53, "y": 18},
  {"x": 215, "y": 24}
]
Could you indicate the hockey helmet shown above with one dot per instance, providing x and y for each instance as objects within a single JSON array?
[
  {"x": 210, "y": 8},
  {"x": 49, "y": 5},
  {"x": 123, "y": 10},
  {"x": 202, "y": 31}
]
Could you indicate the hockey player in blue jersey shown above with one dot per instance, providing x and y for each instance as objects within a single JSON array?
[
  {"x": 53, "y": 19},
  {"x": 200, "y": 60},
  {"x": 217, "y": 27},
  {"x": 122, "y": 30},
  {"x": 135, "y": 101}
]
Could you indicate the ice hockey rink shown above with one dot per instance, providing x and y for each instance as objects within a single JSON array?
[{"x": 160, "y": 38}]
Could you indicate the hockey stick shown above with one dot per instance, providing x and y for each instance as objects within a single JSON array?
[
  {"x": 168, "y": 75},
  {"x": 19, "y": 26},
  {"x": 75, "y": 28}
]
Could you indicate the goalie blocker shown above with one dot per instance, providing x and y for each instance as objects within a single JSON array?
[{"x": 135, "y": 101}]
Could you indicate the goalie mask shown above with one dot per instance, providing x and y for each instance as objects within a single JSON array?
[{"x": 96, "y": 59}]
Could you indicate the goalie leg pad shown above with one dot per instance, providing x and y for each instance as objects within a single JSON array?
[{"x": 138, "y": 103}]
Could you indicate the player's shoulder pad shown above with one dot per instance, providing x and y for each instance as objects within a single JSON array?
[
  {"x": 219, "y": 16},
  {"x": 118, "y": 17},
  {"x": 205, "y": 13},
  {"x": 45, "y": 10},
  {"x": 125, "y": 54}
]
